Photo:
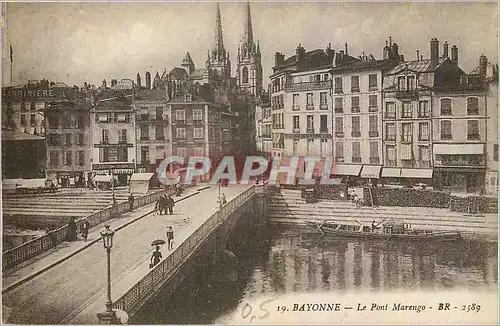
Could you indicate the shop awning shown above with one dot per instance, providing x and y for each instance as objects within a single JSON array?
[
  {"x": 447, "y": 149},
  {"x": 405, "y": 152},
  {"x": 102, "y": 178},
  {"x": 417, "y": 173},
  {"x": 391, "y": 173},
  {"x": 371, "y": 171},
  {"x": 346, "y": 169},
  {"x": 141, "y": 176}
]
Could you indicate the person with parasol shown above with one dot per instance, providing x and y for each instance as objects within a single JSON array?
[{"x": 156, "y": 256}]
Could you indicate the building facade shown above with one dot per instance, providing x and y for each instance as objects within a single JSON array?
[{"x": 491, "y": 182}]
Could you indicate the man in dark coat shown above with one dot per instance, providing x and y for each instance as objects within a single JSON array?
[
  {"x": 72, "y": 229},
  {"x": 163, "y": 204},
  {"x": 131, "y": 201},
  {"x": 170, "y": 204}
]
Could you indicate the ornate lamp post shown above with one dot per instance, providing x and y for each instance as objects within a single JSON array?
[{"x": 109, "y": 316}]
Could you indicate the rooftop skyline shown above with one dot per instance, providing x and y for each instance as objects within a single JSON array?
[{"x": 89, "y": 42}]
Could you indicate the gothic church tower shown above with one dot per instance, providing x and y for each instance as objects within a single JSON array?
[
  {"x": 219, "y": 58},
  {"x": 249, "y": 67}
]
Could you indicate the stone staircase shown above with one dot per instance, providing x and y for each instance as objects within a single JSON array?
[{"x": 286, "y": 206}]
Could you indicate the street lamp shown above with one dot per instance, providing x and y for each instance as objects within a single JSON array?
[{"x": 109, "y": 316}]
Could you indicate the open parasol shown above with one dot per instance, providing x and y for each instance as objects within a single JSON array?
[{"x": 158, "y": 242}]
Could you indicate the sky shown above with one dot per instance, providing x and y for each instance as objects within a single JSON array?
[{"x": 88, "y": 42}]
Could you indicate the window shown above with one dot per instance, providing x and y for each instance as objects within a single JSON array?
[
  {"x": 373, "y": 126},
  {"x": 181, "y": 151},
  {"x": 68, "y": 156},
  {"x": 356, "y": 152},
  {"x": 159, "y": 134},
  {"x": 339, "y": 105},
  {"x": 159, "y": 112},
  {"x": 23, "y": 120},
  {"x": 374, "y": 158},
  {"x": 338, "y": 85},
  {"x": 32, "y": 120},
  {"x": 180, "y": 116},
  {"x": 356, "y": 131},
  {"x": 122, "y": 154},
  {"x": 66, "y": 121},
  {"x": 407, "y": 110},
  {"x": 188, "y": 98},
  {"x": 495, "y": 152},
  {"x": 32, "y": 106},
  {"x": 372, "y": 82},
  {"x": 115, "y": 117},
  {"x": 354, "y": 84},
  {"x": 198, "y": 132},
  {"x": 472, "y": 130},
  {"x": 68, "y": 139},
  {"x": 79, "y": 122},
  {"x": 339, "y": 126},
  {"x": 446, "y": 130},
  {"x": 423, "y": 131},
  {"x": 401, "y": 83},
  {"x": 423, "y": 109},
  {"x": 295, "y": 104},
  {"x": 310, "y": 123},
  {"x": 355, "y": 104},
  {"x": 339, "y": 150},
  {"x": 472, "y": 106},
  {"x": 323, "y": 104},
  {"x": 326, "y": 77},
  {"x": 244, "y": 77},
  {"x": 81, "y": 158},
  {"x": 411, "y": 83},
  {"x": 372, "y": 103},
  {"x": 390, "y": 110},
  {"x": 424, "y": 153},
  {"x": 180, "y": 133},
  {"x": 391, "y": 155},
  {"x": 296, "y": 125},
  {"x": 23, "y": 106},
  {"x": 144, "y": 132},
  {"x": 54, "y": 158},
  {"x": 323, "y": 123},
  {"x": 310, "y": 104},
  {"x": 122, "y": 136},
  {"x": 79, "y": 139},
  {"x": 445, "y": 106},
  {"x": 390, "y": 131},
  {"x": 406, "y": 132},
  {"x": 197, "y": 115},
  {"x": 145, "y": 155},
  {"x": 54, "y": 121},
  {"x": 103, "y": 155},
  {"x": 199, "y": 151},
  {"x": 104, "y": 136}
]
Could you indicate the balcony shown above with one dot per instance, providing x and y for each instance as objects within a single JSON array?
[
  {"x": 323, "y": 130},
  {"x": 355, "y": 89},
  {"x": 308, "y": 86},
  {"x": 390, "y": 116},
  {"x": 446, "y": 137},
  {"x": 296, "y": 108},
  {"x": 310, "y": 130},
  {"x": 355, "y": 109},
  {"x": 474, "y": 111},
  {"x": 407, "y": 94},
  {"x": 197, "y": 122},
  {"x": 104, "y": 141},
  {"x": 473, "y": 137},
  {"x": 374, "y": 160},
  {"x": 373, "y": 108},
  {"x": 373, "y": 88},
  {"x": 424, "y": 138},
  {"x": 390, "y": 162},
  {"x": 180, "y": 122},
  {"x": 144, "y": 138},
  {"x": 122, "y": 141},
  {"x": 356, "y": 159},
  {"x": 446, "y": 111},
  {"x": 355, "y": 133},
  {"x": 390, "y": 138},
  {"x": 338, "y": 91},
  {"x": 339, "y": 134},
  {"x": 372, "y": 133},
  {"x": 339, "y": 160},
  {"x": 323, "y": 106},
  {"x": 296, "y": 130},
  {"x": 424, "y": 164},
  {"x": 339, "y": 110},
  {"x": 310, "y": 107}
]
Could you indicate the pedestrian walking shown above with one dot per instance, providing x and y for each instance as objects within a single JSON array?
[
  {"x": 131, "y": 201},
  {"x": 163, "y": 204},
  {"x": 170, "y": 238},
  {"x": 156, "y": 257},
  {"x": 72, "y": 229},
  {"x": 223, "y": 199},
  {"x": 170, "y": 204},
  {"x": 84, "y": 228}
]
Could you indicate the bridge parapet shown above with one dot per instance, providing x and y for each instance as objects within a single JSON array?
[{"x": 161, "y": 273}]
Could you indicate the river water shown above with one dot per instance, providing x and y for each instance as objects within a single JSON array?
[{"x": 282, "y": 261}]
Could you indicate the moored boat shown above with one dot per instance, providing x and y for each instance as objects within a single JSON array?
[{"x": 387, "y": 231}]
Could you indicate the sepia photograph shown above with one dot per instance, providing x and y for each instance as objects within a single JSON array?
[{"x": 241, "y": 162}]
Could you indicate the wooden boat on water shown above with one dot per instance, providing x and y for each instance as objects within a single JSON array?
[{"x": 385, "y": 230}]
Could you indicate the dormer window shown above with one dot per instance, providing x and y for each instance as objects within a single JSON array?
[{"x": 188, "y": 98}]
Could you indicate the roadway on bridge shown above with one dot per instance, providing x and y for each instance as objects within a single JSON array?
[{"x": 58, "y": 293}]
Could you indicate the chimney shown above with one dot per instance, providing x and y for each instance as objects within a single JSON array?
[
  {"x": 139, "y": 80},
  {"x": 454, "y": 54},
  {"x": 395, "y": 50},
  {"x": 483, "y": 64},
  {"x": 445, "y": 49},
  {"x": 113, "y": 82},
  {"x": 301, "y": 55},
  {"x": 418, "y": 55},
  {"x": 434, "y": 51},
  {"x": 104, "y": 83},
  {"x": 148, "y": 80},
  {"x": 330, "y": 53},
  {"x": 279, "y": 58}
]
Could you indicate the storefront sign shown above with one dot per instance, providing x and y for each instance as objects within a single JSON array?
[
  {"x": 28, "y": 93},
  {"x": 107, "y": 166},
  {"x": 113, "y": 145}
]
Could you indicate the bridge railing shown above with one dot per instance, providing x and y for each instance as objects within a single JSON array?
[
  {"x": 168, "y": 266},
  {"x": 38, "y": 245}
]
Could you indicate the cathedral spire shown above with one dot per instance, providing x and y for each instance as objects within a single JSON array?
[
  {"x": 219, "y": 41},
  {"x": 248, "y": 38}
]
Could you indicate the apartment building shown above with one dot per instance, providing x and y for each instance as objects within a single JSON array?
[{"x": 491, "y": 182}]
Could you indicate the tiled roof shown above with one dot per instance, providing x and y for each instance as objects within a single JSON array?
[
  {"x": 115, "y": 104},
  {"x": 364, "y": 65},
  {"x": 152, "y": 95}
]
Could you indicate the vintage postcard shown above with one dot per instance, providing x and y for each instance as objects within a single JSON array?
[{"x": 243, "y": 162}]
